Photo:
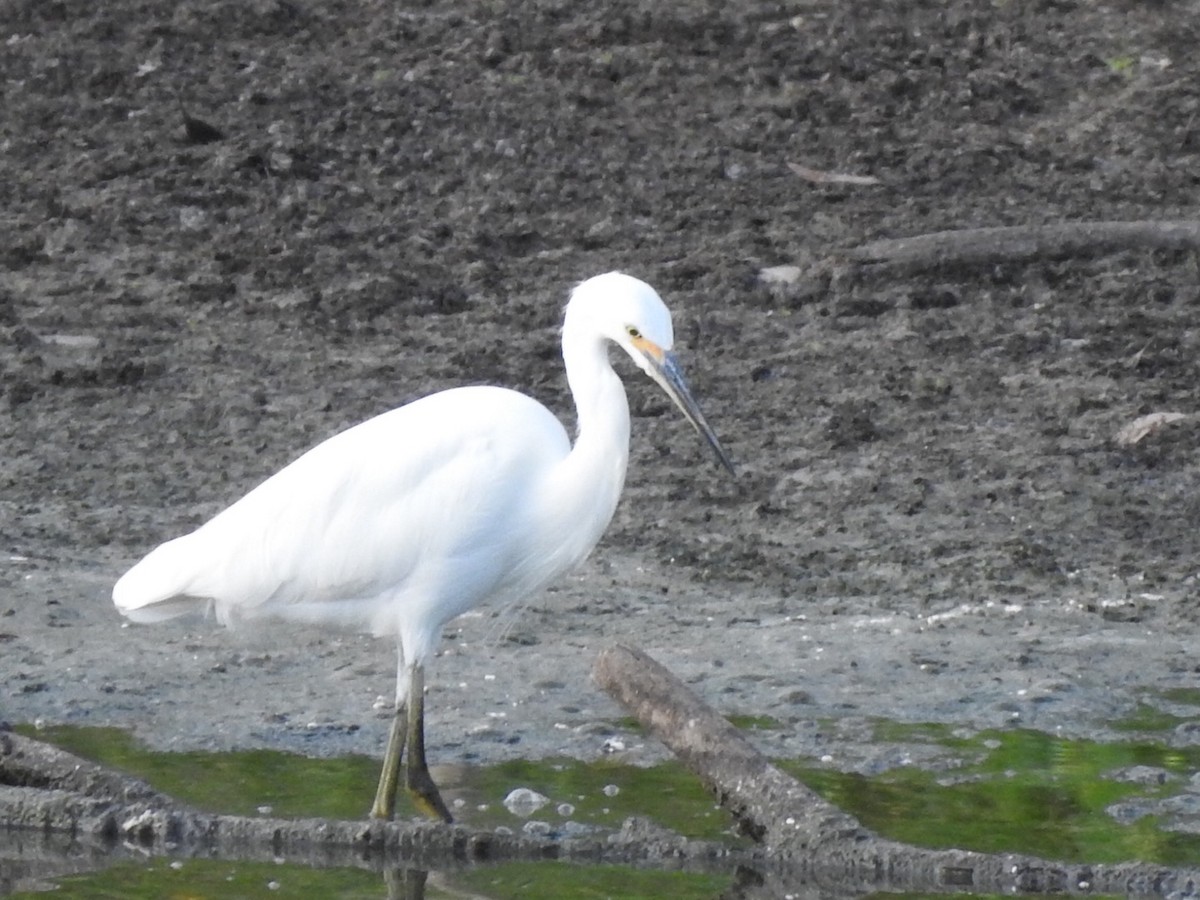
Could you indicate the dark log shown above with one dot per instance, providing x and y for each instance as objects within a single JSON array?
[
  {"x": 769, "y": 806},
  {"x": 25, "y": 762}
]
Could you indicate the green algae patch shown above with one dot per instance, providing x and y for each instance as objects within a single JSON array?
[
  {"x": 243, "y": 783},
  {"x": 269, "y": 782},
  {"x": 755, "y": 723},
  {"x": 1019, "y": 791},
  {"x": 1149, "y": 718},
  {"x": 1183, "y": 696}
]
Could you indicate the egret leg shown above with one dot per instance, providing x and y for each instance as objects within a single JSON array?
[
  {"x": 384, "y": 806},
  {"x": 417, "y": 780}
]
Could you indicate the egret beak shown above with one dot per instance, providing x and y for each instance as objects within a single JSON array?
[{"x": 662, "y": 366}]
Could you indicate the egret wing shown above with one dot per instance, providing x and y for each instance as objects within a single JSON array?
[{"x": 376, "y": 512}]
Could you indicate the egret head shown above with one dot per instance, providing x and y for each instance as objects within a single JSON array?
[{"x": 630, "y": 313}]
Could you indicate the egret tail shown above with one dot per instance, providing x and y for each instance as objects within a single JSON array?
[{"x": 157, "y": 588}]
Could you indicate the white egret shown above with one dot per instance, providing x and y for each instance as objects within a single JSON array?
[{"x": 405, "y": 521}]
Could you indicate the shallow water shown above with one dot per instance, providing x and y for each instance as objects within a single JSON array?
[{"x": 1016, "y": 790}]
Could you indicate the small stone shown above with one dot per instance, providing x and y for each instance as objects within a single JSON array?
[
  {"x": 524, "y": 802},
  {"x": 780, "y": 274}
]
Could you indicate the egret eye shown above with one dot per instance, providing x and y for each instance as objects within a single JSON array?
[{"x": 632, "y": 331}]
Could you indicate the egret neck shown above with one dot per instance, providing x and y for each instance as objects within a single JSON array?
[{"x": 589, "y": 481}]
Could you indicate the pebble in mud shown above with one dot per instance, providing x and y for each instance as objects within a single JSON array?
[{"x": 524, "y": 802}]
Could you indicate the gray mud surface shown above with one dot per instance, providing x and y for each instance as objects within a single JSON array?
[{"x": 933, "y": 521}]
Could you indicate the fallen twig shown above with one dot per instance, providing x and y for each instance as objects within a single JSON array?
[
  {"x": 820, "y": 176},
  {"x": 1142, "y": 427}
]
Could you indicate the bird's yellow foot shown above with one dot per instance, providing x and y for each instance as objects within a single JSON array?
[{"x": 426, "y": 797}]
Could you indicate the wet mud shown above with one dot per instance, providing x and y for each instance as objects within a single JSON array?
[{"x": 229, "y": 230}]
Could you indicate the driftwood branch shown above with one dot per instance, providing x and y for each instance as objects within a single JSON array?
[
  {"x": 49, "y": 795},
  {"x": 823, "y": 176},
  {"x": 1021, "y": 243},
  {"x": 804, "y": 832}
]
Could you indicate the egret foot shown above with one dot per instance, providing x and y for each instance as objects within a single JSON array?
[
  {"x": 417, "y": 780},
  {"x": 425, "y": 795}
]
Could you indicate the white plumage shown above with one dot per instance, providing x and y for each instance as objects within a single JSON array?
[{"x": 401, "y": 523}]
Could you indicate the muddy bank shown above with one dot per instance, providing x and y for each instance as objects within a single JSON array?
[{"x": 933, "y": 522}]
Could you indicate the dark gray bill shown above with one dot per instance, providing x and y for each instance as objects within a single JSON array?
[{"x": 670, "y": 377}]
